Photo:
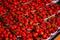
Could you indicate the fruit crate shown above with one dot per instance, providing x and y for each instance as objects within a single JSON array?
[
  {"x": 29, "y": 19},
  {"x": 55, "y": 35}
]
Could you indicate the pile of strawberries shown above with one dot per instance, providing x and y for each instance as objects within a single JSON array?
[{"x": 28, "y": 19}]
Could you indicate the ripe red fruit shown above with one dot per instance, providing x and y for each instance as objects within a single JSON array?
[
  {"x": 35, "y": 34},
  {"x": 44, "y": 36},
  {"x": 11, "y": 36},
  {"x": 26, "y": 18},
  {"x": 6, "y": 35},
  {"x": 47, "y": 31}
]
